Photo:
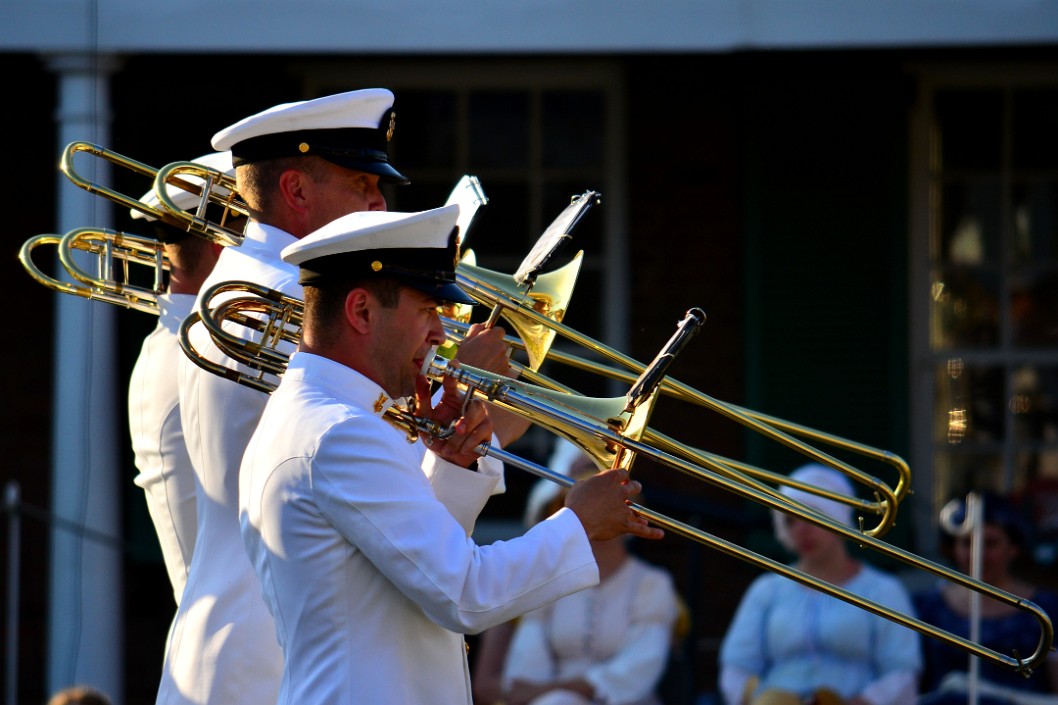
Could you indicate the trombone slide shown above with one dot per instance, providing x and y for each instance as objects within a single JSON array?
[{"x": 619, "y": 433}]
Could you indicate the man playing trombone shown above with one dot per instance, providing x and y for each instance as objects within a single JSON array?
[
  {"x": 298, "y": 166},
  {"x": 371, "y": 580}
]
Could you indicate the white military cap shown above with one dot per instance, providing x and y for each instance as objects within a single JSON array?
[
  {"x": 418, "y": 249},
  {"x": 220, "y": 161},
  {"x": 350, "y": 129}
]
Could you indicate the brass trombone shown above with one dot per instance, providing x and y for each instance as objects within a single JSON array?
[
  {"x": 115, "y": 254},
  {"x": 537, "y": 329},
  {"x": 535, "y": 305},
  {"x": 610, "y": 432},
  {"x": 215, "y": 187}
]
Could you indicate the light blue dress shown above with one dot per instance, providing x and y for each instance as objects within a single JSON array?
[{"x": 799, "y": 639}]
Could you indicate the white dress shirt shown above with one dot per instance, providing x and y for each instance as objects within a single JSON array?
[
  {"x": 371, "y": 580},
  {"x": 165, "y": 471},
  {"x": 616, "y": 636}
]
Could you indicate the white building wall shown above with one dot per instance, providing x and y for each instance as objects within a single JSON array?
[{"x": 417, "y": 26}]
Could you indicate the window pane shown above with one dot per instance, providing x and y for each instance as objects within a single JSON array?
[
  {"x": 1035, "y": 221},
  {"x": 1039, "y": 472},
  {"x": 499, "y": 129},
  {"x": 970, "y": 404},
  {"x": 965, "y": 308},
  {"x": 501, "y": 236},
  {"x": 1035, "y": 139},
  {"x": 970, "y": 222},
  {"x": 1034, "y": 309},
  {"x": 419, "y": 195},
  {"x": 426, "y": 131},
  {"x": 971, "y": 129},
  {"x": 573, "y": 128},
  {"x": 959, "y": 473},
  {"x": 1034, "y": 403}
]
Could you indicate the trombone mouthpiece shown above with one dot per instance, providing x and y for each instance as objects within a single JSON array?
[{"x": 428, "y": 361}]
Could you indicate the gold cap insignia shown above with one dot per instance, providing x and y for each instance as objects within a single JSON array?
[
  {"x": 303, "y": 147},
  {"x": 380, "y": 403},
  {"x": 392, "y": 125},
  {"x": 376, "y": 266}
]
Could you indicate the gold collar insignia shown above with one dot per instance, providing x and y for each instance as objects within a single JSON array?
[{"x": 380, "y": 403}]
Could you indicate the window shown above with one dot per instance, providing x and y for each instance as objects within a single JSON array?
[{"x": 985, "y": 199}]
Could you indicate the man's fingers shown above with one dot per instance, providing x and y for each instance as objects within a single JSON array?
[
  {"x": 422, "y": 393},
  {"x": 484, "y": 348},
  {"x": 474, "y": 428}
]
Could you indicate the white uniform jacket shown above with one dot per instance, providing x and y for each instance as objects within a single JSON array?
[
  {"x": 223, "y": 650},
  {"x": 371, "y": 581},
  {"x": 165, "y": 471}
]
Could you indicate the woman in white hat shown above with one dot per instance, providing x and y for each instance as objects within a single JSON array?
[{"x": 791, "y": 644}]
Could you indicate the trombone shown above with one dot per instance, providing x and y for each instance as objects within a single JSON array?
[
  {"x": 216, "y": 187},
  {"x": 537, "y": 317},
  {"x": 535, "y": 304},
  {"x": 609, "y": 431},
  {"x": 115, "y": 252}
]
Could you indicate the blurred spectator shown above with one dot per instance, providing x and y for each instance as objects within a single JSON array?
[
  {"x": 791, "y": 644},
  {"x": 79, "y": 695},
  {"x": 493, "y": 643},
  {"x": 1003, "y": 628},
  {"x": 606, "y": 644}
]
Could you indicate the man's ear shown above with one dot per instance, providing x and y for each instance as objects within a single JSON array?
[
  {"x": 360, "y": 310},
  {"x": 294, "y": 189}
]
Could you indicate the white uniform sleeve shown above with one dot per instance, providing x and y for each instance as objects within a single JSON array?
[
  {"x": 384, "y": 507},
  {"x": 487, "y": 467},
  {"x": 463, "y": 491}
]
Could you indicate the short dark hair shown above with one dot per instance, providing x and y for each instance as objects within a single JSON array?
[
  {"x": 258, "y": 181},
  {"x": 187, "y": 253},
  {"x": 325, "y": 303}
]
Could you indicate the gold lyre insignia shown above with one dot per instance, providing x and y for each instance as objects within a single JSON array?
[{"x": 380, "y": 403}]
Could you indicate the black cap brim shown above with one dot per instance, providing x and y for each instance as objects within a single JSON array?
[
  {"x": 383, "y": 170},
  {"x": 444, "y": 292}
]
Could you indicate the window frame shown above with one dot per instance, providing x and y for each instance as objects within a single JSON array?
[{"x": 925, "y": 204}]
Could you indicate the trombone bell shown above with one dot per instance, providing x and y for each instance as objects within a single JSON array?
[{"x": 549, "y": 297}]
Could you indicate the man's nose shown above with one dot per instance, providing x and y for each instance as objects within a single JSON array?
[
  {"x": 376, "y": 201},
  {"x": 437, "y": 333}
]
